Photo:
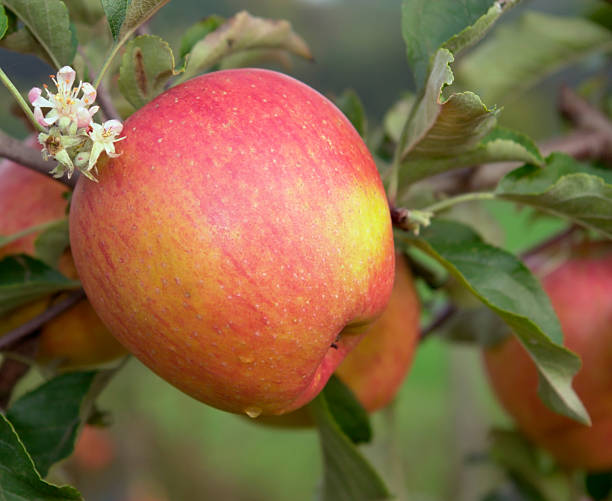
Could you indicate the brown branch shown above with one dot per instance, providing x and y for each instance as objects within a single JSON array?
[
  {"x": 38, "y": 321},
  {"x": 21, "y": 153},
  {"x": 582, "y": 114},
  {"x": 443, "y": 316},
  {"x": 12, "y": 370}
]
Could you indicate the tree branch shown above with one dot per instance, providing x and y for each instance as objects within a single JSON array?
[
  {"x": 12, "y": 369},
  {"x": 18, "y": 152},
  {"x": 38, "y": 321}
]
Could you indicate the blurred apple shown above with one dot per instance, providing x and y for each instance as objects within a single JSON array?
[
  {"x": 580, "y": 290},
  {"x": 240, "y": 243},
  {"x": 94, "y": 449},
  {"x": 77, "y": 337}
]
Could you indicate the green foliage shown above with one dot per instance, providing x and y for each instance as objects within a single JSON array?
[
  {"x": 350, "y": 104},
  {"x": 347, "y": 475},
  {"x": 147, "y": 64},
  {"x": 566, "y": 188},
  {"x": 505, "y": 285},
  {"x": 24, "y": 279},
  {"x": 197, "y": 32},
  {"x": 115, "y": 11},
  {"x": 52, "y": 242},
  {"x": 3, "y": 21},
  {"x": 47, "y": 418},
  {"x": 599, "y": 485},
  {"x": 346, "y": 410},
  {"x": 242, "y": 32},
  {"x": 453, "y": 24},
  {"x": 49, "y": 24},
  {"x": 527, "y": 50},
  {"x": 531, "y": 471},
  {"x": 19, "y": 479}
]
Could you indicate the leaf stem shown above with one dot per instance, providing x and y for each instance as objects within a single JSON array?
[
  {"x": 5, "y": 240},
  {"x": 466, "y": 197},
  {"x": 107, "y": 64},
  {"x": 20, "y": 100}
]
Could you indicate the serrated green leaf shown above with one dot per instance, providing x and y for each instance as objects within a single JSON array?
[
  {"x": 566, "y": 188},
  {"x": 197, "y": 32},
  {"x": 146, "y": 66},
  {"x": 352, "y": 107},
  {"x": 454, "y": 24},
  {"x": 47, "y": 418},
  {"x": 347, "y": 475},
  {"x": 507, "y": 135},
  {"x": 19, "y": 480},
  {"x": 52, "y": 242},
  {"x": 4, "y": 22},
  {"x": 504, "y": 284},
  {"x": 85, "y": 11},
  {"x": 527, "y": 50},
  {"x": 115, "y": 11},
  {"x": 138, "y": 12},
  {"x": 239, "y": 33},
  {"x": 49, "y": 23},
  {"x": 346, "y": 410},
  {"x": 24, "y": 279}
]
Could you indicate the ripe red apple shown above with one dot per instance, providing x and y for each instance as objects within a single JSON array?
[
  {"x": 77, "y": 337},
  {"x": 376, "y": 368},
  {"x": 240, "y": 243},
  {"x": 581, "y": 293}
]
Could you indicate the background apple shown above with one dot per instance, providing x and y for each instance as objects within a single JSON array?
[
  {"x": 580, "y": 290},
  {"x": 77, "y": 337},
  {"x": 243, "y": 230}
]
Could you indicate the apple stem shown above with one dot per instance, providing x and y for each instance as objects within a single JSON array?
[
  {"x": 30, "y": 158},
  {"x": 38, "y": 321}
]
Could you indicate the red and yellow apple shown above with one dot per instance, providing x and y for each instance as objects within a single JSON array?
[
  {"x": 580, "y": 290},
  {"x": 376, "y": 368},
  {"x": 77, "y": 337},
  {"x": 240, "y": 243}
]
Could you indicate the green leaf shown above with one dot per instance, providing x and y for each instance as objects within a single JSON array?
[
  {"x": 19, "y": 480},
  {"x": 52, "y": 242},
  {"x": 49, "y": 23},
  {"x": 147, "y": 64},
  {"x": 138, "y": 13},
  {"x": 47, "y": 418},
  {"x": 599, "y": 485},
  {"x": 523, "y": 462},
  {"x": 243, "y": 32},
  {"x": 24, "y": 279},
  {"x": 197, "y": 32},
  {"x": 527, "y": 50},
  {"x": 346, "y": 410},
  {"x": 566, "y": 188},
  {"x": 500, "y": 136},
  {"x": 453, "y": 24},
  {"x": 4, "y": 22},
  {"x": 23, "y": 42},
  {"x": 352, "y": 107},
  {"x": 115, "y": 11},
  {"x": 85, "y": 11},
  {"x": 505, "y": 285},
  {"x": 347, "y": 475}
]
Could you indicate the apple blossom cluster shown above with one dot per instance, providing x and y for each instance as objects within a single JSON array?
[{"x": 71, "y": 136}]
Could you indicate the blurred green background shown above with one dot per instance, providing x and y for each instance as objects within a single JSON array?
[{"x": 429, "y": 444}]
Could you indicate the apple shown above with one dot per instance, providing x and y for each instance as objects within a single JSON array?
[
  {"x": 240, "y": 243},
  {"x": 376, "y": 368},
  {"x": 77, "y": 337},
  {"x": 580, "y": 290}
]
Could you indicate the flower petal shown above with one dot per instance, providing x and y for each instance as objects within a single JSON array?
[
  {"x": 65, "y": 77},
  {"x": 89, "y": 93}
]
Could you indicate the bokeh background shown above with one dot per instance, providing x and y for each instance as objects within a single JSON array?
[{"x": 164, "y": 446}]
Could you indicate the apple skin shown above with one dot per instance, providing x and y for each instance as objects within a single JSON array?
[
  {"x": 77, "y": 337},
  {"x": 580, "y": 290},
  {"x": 377, "y": 367},
  {"x": 242, "y": 231}
]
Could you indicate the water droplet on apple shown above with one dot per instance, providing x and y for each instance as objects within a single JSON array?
[{"x": 252, "y": 412}]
